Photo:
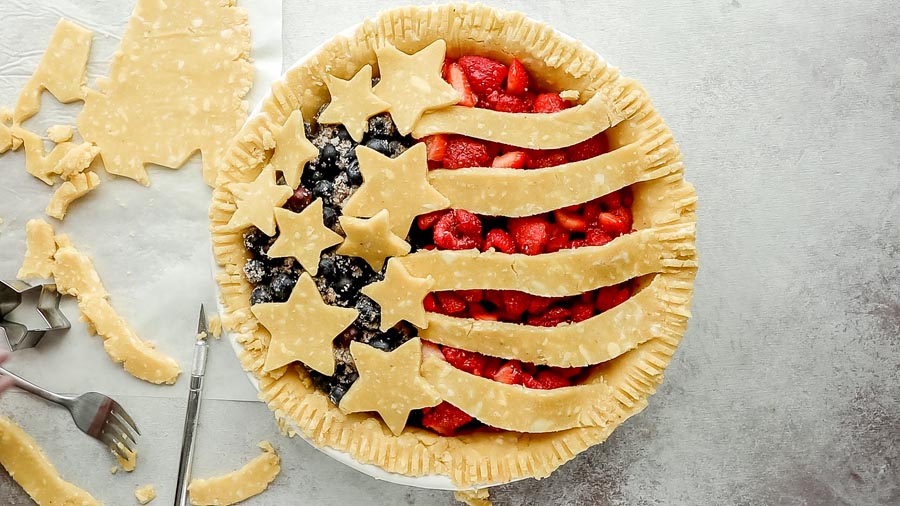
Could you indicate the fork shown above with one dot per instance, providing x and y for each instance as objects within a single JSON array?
[{"x": 95, "y": 414}]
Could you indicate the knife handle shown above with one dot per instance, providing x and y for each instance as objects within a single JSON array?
[{"x": 191, "y": 421}]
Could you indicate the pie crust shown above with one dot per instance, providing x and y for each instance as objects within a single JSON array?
[{"x": 628, "y": 366}]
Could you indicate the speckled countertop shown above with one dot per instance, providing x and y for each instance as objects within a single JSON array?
[{"x": 786, "y": 389}]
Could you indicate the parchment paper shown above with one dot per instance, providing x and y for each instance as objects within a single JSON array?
[{"x": 149, "y": 245}]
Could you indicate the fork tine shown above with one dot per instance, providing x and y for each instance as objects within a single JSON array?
[
  {"x": 113, "y": 444},
  {"x": 121, "y": 413},
  {"x": 124, "y": 424},
  {"x": 119, "y": 428}
]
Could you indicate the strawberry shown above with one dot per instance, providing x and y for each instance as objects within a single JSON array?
[
  {"x": 444, "y": 418},
  {"x": 570, "y": 221},
  {"x": 611, "y": 200},
  {"x": 471, "y": 296},
  {"x": 500, "y": 240},
  {"x": 495, "y": 297},
  {"x": 458, "y": 229},
  {"x": 549, "y": 379},
  {"x": 559, "y": 238},
  {"x": 478, "y": 312},
  {"x": 436, "y": 147},
  {"x": 551, "y": 318},
  {"x": 549, "y": 103},
  {"x": 581, "y": 311},
  {"x": 485, "y": 75},
  {"x": 567, "y": 372},
  {"x": 591, "y": 211},
  {"x": 463, "y": 360},
  {"x": 510, "y": 373},
  {"x": 491, "y": 366},
  {"x": 546, "y": 158},
  {"x": 505, "y": 102},
  {"x": 595, "y": 146},
  {"x": 457, "y": 78},
  {"x": 511, "y": 160},
  {"x": 466, "y": 152},
  {"x": 539, "y": 304},
  {"x": 426, "y": 221},
  {"x": 517, "y": 79},
  {"x": 576, "y": 243},
  {"x": 430, "y": 303},
  {"x": 627, "y": 196},
  {"x": 529, "y": 381},
  {"x": 597, "y": 237},
  {"x": 515, "y": 303},
  {"x": 530, "y": 234},
  {"x": 451, "y": 303},
  {"x": 609, "y": 297},
  {"x": 445, "y": 69},
  {"x": 615, "y": 222}
]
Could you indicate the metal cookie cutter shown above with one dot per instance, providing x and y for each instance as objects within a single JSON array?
[{"x": 18, "y": 335}]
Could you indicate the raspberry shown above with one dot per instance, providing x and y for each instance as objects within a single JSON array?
[
  {"x": 511, "y": 160},
  {"x": 515, "y": 303},
  {"x": 581, "y": 311},
  {"x": 457, "y": 78},
  {"x": 458, "y": 229},
  {"x": 510, "y": 373},
  {"x": 463, "y": 360},
  {"x": 546, "y": 158},
  {"x": 436, "y": 147},
  {"x": 426, "y": 221},
  {"x": 517, "y": 79},
  {"x": 609, "y": 297},
  {"x": 500, "y": 240},
  {"x": 451, "y": 303},
  {"x": 595, "y": 146},
  {"x": 445, "y": 418},
  {"x": 549, "y": 103},
  {"x": 530, "y": 234},
  {"x": 465, "y": 152},
  {"x": 485, "y": 75}
]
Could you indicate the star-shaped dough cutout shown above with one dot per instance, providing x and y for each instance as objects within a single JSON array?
[
  {"x": 396, "y": 184},
  {"x": 352, "y": 103},
  {"x": 389, "y": 383},
  {"x": 292, "y": 149},
  {"x": 371, "y": 239},
  {"x": 412, "y": 84},
  {"x": 401, "y": 296},
  {"x": 303, "y": 328},
  {"x": 256, "y": 202},
  {"x": 303, "y": 236}
]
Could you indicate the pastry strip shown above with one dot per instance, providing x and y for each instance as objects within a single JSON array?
[{"x": 252, "y": 479}]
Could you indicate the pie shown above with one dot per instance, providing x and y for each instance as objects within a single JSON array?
[{"x": 455, "y": 242}]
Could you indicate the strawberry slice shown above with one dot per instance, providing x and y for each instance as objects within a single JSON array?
[
  {"x": 570, "y": 221},
  {"x": 445, "y": 418},
  {"x": 551, "y": 318},
  {"x": 597, "y": 237},
  {"x": 568, "y": 372},
  {"x": 611, "y": 201},
  {"x": 500, "y": 240},
  {"x": 510, "y": 373},
  {"x": 511, "y": 160},
  {"x": 546, "y": 158},
  {"x": 559, "y": 238},
  {"x": 581, "y": 311},
  {"x": 485, "y": 75},
  {"x": 609, "y": 297},
  {"x": 436, "y": 147},
  {"x": 457, "y": 78},
  {"x": 505, "y": 102},
  {"x": 431, "y": 304},
  {"x": 466, "y": 152},
  {"x": 549, "y": 103},
  {"x": 517, "y": 79},
  {"x": 530, "y": 234},
  {"x": 463, "y": 360},
  {"x": 576, "y": 243},
  {"x": 549, "y": 380},
  {"x": 615, "y": 222},
  {"x": 529, "y": 381},
  {"x": 478, "y": 312},
  {"x": 589, "y": 148},
  {"x": 539, "y": 304},
  {"x": 426, "y": 221},
  {"x": 451, "y": 303},
  {"x": 491, "y": 366}
]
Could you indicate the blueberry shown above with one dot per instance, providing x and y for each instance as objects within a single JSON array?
[
  {"x": 324, "y": 190},
  {"x": 328, "y": 153},
  {"x": 354, "y": 175},
  {"x": 256, "y": 241},
  {"x": 261, "y": 295},
  {"x": 329, "y": 216},
  {"x": 369, "y": 313},
  {"x": 380, "y": 145},
  {"x": 309, "y": 129},
  {"x": 382, "y": 126},
  {"x": 344, "y": 135},
  {"x": 282, "y": 285},
  {"x": 396, "y": 148},
  {"x": 255, "y": 271},
  {"x": 337, "y": 392},
  {"x": 381, "y": 343},
  {"x": 327, "y": 266}
]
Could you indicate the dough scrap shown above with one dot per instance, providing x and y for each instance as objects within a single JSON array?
[
  {"x": 129, "y": 462},
  {"x": 215, "y": 326},
  {"x": 6, "y": 138},
  {"x": 37, "y": 163},
  {"x": 70, "y": 191},
  {"x": 40, "y": 248},
  {"x": 76, "y": 160},
  {"x": 60, "y": 133},
  {"x": 252, "y": 479},
  {"x": 27, "y": 463},
  {"x": 479, "y": 497},
  {"x": 62, "y": 70},
  {"x": 191, "y": 59},
  {"x": 145, "y": 494}
]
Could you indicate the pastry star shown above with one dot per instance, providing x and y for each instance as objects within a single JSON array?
[
  {"x": 396, "y": 184},
  {"x": 303, "y": 236},
  {"x": 389, "y": 383},
  {"x": 303, "y": 328},
  {"x": 412, "y": 84},
  {"x": 292, "y": 149},
  {"x": 352, "y": 103},
  {"x": 371, "y": 239},
  {"x": 400, "y": 296},
  {"x": 256, "y": 202}
]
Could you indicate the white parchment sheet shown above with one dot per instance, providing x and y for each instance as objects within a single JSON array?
[{"x": 150, "y": 245}]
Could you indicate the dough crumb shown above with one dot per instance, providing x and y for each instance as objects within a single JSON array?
[
  {"x": 70, "y": 191},
  {"x": 215, "y": 326},
  {"x": 40, "y": 247},
  {"x": 480, "y": 497},
  {"x": 60, "y": 133},
  {"x": 570, "y": 95},
  {"x": 127, "y": 464},
  {"x": 145, "y": 494},
  {"x": 248, "y": 481},
  {"x": 113, "y": 469}
]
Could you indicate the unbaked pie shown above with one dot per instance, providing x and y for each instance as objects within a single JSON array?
[{"x": 455, "y": 242}]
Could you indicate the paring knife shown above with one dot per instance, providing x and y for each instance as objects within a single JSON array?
[{"x": 191, "y": 419}]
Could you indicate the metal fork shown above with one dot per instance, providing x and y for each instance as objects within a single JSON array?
[{"x": 95, "y": 414}]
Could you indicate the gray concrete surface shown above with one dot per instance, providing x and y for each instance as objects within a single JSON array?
[{"x": 786, "y": 389}]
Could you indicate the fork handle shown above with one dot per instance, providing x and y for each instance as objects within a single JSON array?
[{"x": 31, "y": 388}]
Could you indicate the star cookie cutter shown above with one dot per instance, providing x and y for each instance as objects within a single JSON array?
[{"x": 20, "y": 336}]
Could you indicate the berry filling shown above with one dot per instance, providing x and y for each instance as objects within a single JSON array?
[{"x": 334, "y": 175}]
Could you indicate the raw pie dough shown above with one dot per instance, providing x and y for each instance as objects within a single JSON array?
[
  {"x": 145, "y": 494},
  {"x": 663, "y": 246},
  {"x": 29, "y": 466},
  {"x": 73, "y": 189},
  {"x": 234, "y": 487}
]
